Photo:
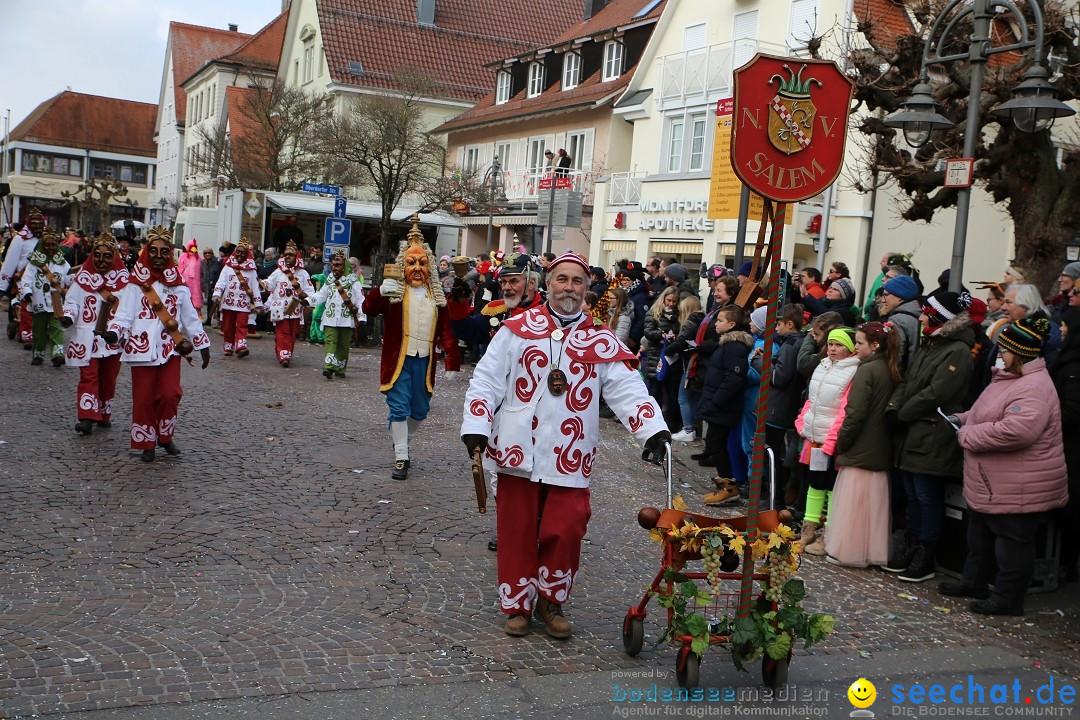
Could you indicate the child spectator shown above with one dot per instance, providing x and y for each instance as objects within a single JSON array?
[{"x": 785, "y": 398}]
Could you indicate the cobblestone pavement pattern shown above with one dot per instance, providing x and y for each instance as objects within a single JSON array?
[{"x": 283, "y": 559}]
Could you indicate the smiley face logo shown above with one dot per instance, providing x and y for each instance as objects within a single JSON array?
[{"x": 862, "y": 693}]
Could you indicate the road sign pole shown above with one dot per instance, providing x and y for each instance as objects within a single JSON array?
[{"x": 551, "y": 216}]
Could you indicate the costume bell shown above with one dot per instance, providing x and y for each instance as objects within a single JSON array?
[
  {"x": 41, "y": 288},
  {"x": 342, "y": 295},
  {"x": 15, "y": 262},
  {"x": 90, "y": 303},
  {"x": 156, "y": 325},
  {"x": 416, "y": 322},
  {"x": 290, "y": 291},
  {"x": 237, "y": 290},
  {"x": 533, "y": 406}
]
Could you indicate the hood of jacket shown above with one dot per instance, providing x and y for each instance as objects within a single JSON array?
[
  {"x": 959, "y": 328},
  {"x": 737, "y": 336}
]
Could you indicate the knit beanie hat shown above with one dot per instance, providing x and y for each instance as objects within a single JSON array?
[
  {"x": 843, "y": 335},
  {"x": 745, "y": 268},
  {"x": 1025, "y": 337},
  {"x": 1072, "y": 270},
  {"x": 758, "y": 317},
  {"x": 846, "y": 288},
  {"x": 977, "y": 311},
  {"x": 903, "y": 287},
  {"x": 676, "y": 272},
  {"x": 943, "y": 306}
]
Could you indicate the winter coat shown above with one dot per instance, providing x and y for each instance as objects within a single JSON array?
[
  {"x": 639, "y": 295},
  {"x": 622, "y": 325},
  {"x": 809, "y": 356},
  {"x": 787, "y": 383},
  {"x": 654, "y": 333},
  {"x": 1066, "y": 375},
  {"x": 821, "y": 416},
  {"x": 695, "y": 356},
  {"x": 937, "y": 377},
  {"x": 1014, "y": 461},
  {"x": 753, "y": 392},
  {"x": 906, "y": 317},
  {"x": 844, "y": 308},
  {"x": 982, "y": 362},
  {"x": 725, "y": 380},
  {"x": 865, "y": 440}
]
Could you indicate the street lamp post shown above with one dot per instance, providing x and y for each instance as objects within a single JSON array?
[
  {"x": 1033, "y": 107},
  {"x": 162, "y": 202},
  {"x": 493, "y": 182}
]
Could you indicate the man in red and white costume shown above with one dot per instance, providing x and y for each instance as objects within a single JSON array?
[
  {"x": 237, "y": 290},
  {"x": 96, "y": 291},
  {"x": 15, "y": 262},
  {"x": 533, "y": 406},
  {"x": 157, "y": 325},
  {"x": 289, "y": 287}
]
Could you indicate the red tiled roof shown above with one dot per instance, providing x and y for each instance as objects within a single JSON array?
[
  {"x": 192, "y": 47},
  {"x": 91, "y": 122},
  {"x": 263, "y": 50},
  {"x": 615, "y": 14},
  {"x": 886, "y": 18},
  {"x": 591, "y": 90},
  {"x": 384, "y": 35}
]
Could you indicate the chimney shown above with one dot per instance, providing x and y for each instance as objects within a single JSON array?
[
  {"x": 594, "y": 6},
  {"x": 425, "y": 12},
  {"x": 233, "y": 27}
]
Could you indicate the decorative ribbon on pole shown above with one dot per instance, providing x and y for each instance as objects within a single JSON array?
[{"x": 757, "y": 465}]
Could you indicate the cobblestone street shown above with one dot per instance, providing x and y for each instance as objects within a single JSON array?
[{"x": 281, "y": 558}]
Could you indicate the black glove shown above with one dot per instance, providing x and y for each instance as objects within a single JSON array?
[
  {"x": 892, "y": 419},
  {"x": 110, "y": 337},
  {"x": 656, "y": 447},
  {"x": 459, "y": 290},
  {"x": 66, "y": 321},
  {"x": 472, "y": 442},
  {"x": 205, "y": 352}
]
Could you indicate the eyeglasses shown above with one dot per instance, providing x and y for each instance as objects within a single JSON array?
[
  {"x": 886, "y": 293},
  {"x": 833, "y": 271},
  {"x": 1075, "y": 291}
]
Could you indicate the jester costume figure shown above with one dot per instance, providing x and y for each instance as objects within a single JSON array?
[
  {"x": 533, "y": 408},
  {"x": 41, "y": 288},
  {"x": 11, "y": 272},
  {"x": 156, "y": 325},
  {"x": 237, "y": 290},
  {"x": 290, "y": 292},
  {"x": 342, "y": 296},
  {"x": 90, "y": 303},
  {"x": 416, "y": 323}
]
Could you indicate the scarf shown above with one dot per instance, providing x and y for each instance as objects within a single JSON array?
[{"x": 144, "y": 274}]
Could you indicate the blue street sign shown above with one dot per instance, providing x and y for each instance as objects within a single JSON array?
[
  {"x": 328, "y": 250},
  {"x": 322, "y": 189},
  {"x": 339, "y": 206},
  {"x": 337, "y": 231}
]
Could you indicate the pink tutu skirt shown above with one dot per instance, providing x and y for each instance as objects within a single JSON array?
[{"x": 857, "y": 533}]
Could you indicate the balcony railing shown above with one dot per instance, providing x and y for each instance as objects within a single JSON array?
[
  {"x": 625, "y": 188},
  {"x": 523, "y": 185},
  {"x": 696, "y": 76}
]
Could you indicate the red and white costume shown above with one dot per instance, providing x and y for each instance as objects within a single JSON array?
[
  {"x": 280, "y": 286},
  {"x": 543, "y": 446},
  {"x": 15, "y": 262},
  {"x": 235, "y": 301},
  {"x": 98, "y": 362},
  {"x": 151, "y": 352}
]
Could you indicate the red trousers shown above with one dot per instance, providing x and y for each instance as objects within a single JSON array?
[
  {"x": 26, "y": 324},
  {"x": 234, "y": 326},
  {"x": 97, "y": 386},
  {"x": 540, "y": 528},
  {"x": 285, "y": 333},
  {"x": 155, "y": 396}
]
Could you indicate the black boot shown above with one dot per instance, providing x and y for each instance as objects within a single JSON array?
[
  {"x": 170, "y": 448},
  {"x": 922, "y": 564},
  {"x": 903, "y": 549},
  {"x": 84, "y": 427},
  {"x": 147, "y": 456}
]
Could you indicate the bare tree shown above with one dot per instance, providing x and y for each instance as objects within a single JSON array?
[
  {"x": 1038, "y": 182},
  {"x": 384, "y": 139},
  {"x": 268, "y": 142},
  {"x": 94, "y": 198}
]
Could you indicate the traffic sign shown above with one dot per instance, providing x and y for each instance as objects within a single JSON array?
[
  {"x": 958, "y": 172},
  {"x": 337, "y": 231},
  {"x": 321, "y": 189},
  {"x": 339, "y": 206},
  {"x": 329, "y": 250}
]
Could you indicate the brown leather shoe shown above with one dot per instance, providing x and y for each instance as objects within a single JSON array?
[
  {"x": 551, "y": 615},
  {"x": 517, "y": 625}
]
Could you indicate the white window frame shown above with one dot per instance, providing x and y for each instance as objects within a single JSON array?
[
  {"x": 503, "y": 80},
  {"x": 322, "y": 59},
  {"x": 504, "y": 150},
  {"x": 695, "y": 36},
  {"x": 571, "y": 77},
  {"x": 309, "y": 62},
  {"x": 536, "y": 79},
  {"x": 536, "y": 160},
  {"x": 743, "y": 51},
  {"x": 698, "y": 123},
  {"x": 676, "y": 132},
  {"x": 613, "y": 60},
  {"x": 578, "y": 144},
  {"x": 799, "y": 32}
]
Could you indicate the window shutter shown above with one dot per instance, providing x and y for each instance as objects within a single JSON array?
[
  {"x": 745, "y": 37},
  {"x": 694, "y": 37},
  {"x": 802, "y": 24}
]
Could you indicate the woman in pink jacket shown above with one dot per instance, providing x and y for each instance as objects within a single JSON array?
[
  {"x": 190, "y": 268},
  {"x": 1014, "y": 470}
]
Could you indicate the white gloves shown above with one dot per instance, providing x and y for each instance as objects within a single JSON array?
[{"x": 390, "y": 286}]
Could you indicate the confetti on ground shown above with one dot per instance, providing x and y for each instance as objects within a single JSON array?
[
  {"x": 890, "y": 616},
  {"x": 864, "y": 654},
  {"x": 906, "y": 596},
  {"x": 358, "y": 471},
  {"x": 385, "y": 502},
  {"x": 942, "y": 608}
]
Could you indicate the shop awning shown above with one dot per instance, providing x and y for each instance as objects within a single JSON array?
[{"x": 295, "y": 202}]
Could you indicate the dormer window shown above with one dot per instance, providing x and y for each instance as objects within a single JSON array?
[
  {"x": 536, "y": 79},
  {"x": 613, "y": 60},
  {"x": 502, "y": 87},
  {"x": 571, "y": 71}
]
